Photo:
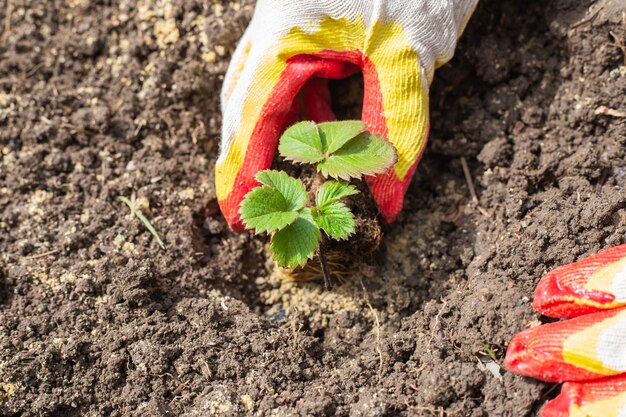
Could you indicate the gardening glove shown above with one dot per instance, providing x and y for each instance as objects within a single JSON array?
[
  {"x": 588, "y": 352},
  {"x": 293, "y": 46}
]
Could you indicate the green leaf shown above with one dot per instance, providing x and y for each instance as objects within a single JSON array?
[
  {"x": 367, "y": 154},
  {"x": 302, "y": 143},
  {"x": 335, "y": 219},
  {"x": 265, "y": 209},
  {"x": 296, "y": 243},
  {"x": 292, "y": 189},
  {"x": 143, "y": 219},
  {"x": 332, "y": 191},
  {"x": 335, "y": 134}
]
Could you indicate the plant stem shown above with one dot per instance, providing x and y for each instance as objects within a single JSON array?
[
  {"x": 317, "y": 183},
  {"x": 328, "y": 284}
]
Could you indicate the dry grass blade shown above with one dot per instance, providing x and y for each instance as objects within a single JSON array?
[
  {"x": 7, "y": 17},
  {"x": 377, "y": 322},
  {"x": 437, "y": 324},
  {"x": 143, "y": 219},
  {"x": 42, "y": 255}
]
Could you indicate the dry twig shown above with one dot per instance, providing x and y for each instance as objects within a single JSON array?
[
  {"x": 585, "y": 20},
  {"x": 468, "y": 180},
  {"x": 609, "y": 112},
  {"x": 472, "y": 189},
  {"x": 619, "y": 43}
]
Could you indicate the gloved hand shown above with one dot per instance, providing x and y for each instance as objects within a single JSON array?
[
  {"x": 588, "y": 352},
  {"x": 293, "y": 46}
]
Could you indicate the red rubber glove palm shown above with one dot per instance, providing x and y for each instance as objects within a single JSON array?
[
  {"x": 293, "y": 46},
  {"x": 588, "y": 352}
]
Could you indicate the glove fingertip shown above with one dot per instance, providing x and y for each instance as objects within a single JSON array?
[
  {"x": 566, "y": 350},
  {"x": 388, "y": 192},
  {"x": 603, "y": 397},
  {"x": 589, "y": 285},
  {"x": 553, "y": 299},
  {"x": 560, "y": 406}
]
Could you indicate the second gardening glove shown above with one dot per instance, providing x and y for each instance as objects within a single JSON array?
[
  {"x": 588, "y": 352},
  {"x": 293, "y": 46}
]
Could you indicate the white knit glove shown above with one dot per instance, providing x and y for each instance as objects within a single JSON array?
[{"x": 291, "y": 44}]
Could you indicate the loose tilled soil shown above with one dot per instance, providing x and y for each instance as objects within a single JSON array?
[{"x": 107, "y": 98}]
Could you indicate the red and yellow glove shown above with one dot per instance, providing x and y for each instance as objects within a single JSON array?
[
  {"x": 291, "y": 47},
  {"x": 588, "y": 352}
]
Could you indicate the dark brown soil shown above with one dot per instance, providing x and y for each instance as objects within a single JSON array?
[{"x": 100, "y": 99}]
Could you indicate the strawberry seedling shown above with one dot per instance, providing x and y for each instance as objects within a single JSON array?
[{"x": 295, "y": 217}]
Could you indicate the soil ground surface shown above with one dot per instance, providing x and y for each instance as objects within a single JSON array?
[{"x": 100, "y": 99}]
